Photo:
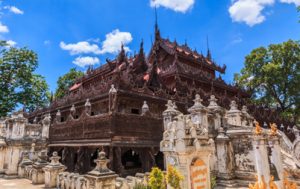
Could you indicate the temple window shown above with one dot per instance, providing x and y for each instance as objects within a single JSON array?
[
  {"x": 135, "y": 111},
  {"x": 62, "y": 119}
]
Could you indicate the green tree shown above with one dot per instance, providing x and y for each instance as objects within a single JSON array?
[
  {"x": 66, "y": 81},
  {"x": 156, "y": 179},
  {"x": 19, "y": 85},
  {"x": 272, "y": 76}
]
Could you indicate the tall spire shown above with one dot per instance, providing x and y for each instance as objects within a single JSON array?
[
  {"x": 142, "y": 47},
  {"x": 208, "y": 56},
  {"x": 157, "y": 33}
]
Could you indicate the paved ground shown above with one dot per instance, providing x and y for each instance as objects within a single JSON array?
[{"x": 18, "y": 184}]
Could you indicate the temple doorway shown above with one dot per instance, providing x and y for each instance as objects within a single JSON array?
[{"x": 131, "y": 160}]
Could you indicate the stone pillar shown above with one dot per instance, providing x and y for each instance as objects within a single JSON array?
[
  {"x": 2, "y": 159},
  {"x": 38, "y": 175},
  {"x": 13, "y": 158},
  {"x": 52, "y": 171},
  {"x": 101, "y": 177},
  {"x": 261, "y": 158},
  {"x": 276, "y": 159},
  {"x": 25, "y": 162},
  {"x": 225, "y": 157},
  {"x": 189, "y": 152},
  {"x": 2, "y": 145}
]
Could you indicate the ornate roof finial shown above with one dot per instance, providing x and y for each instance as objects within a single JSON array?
[
  {"x": 122, "y": 55},
  {"x": 208, "y": 56},
  {"x": 157, "y": 33},
  {"x": 142, "y": 47}
]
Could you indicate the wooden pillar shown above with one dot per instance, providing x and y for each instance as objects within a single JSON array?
[
  {"x": 118, "y": 160},
  {"x": 111, "y": 158}
]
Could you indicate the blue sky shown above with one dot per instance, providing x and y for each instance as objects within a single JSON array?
[{"x": 64, "y": 32}]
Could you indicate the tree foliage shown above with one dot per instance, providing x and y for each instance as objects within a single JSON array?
[
  {"x": 174, "y": 177},
  {"x": 19, "y": 84},
  {"x": 156, "y": 179},
  {"x": 66, "y": 81},
  {"x": 272, "y": 76}
]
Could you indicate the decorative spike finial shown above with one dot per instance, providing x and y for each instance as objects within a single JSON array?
[
  {"x": 142, "y": 47},
  {"x": 208, "y": 56},
  {"x": 157, "y": 33}
]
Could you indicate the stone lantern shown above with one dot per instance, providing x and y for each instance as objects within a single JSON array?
[
  {"x": 101, "y": 176},
  {"x": 52, "y": 170}
]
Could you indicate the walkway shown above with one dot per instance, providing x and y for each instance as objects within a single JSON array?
[{"x": 18, "y": 184}]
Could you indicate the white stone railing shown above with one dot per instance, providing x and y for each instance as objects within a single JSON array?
[
  {"x": 131, "y": 181},
  {"x": 285, "y": 142},
  {"x": 66, "y": 180}
]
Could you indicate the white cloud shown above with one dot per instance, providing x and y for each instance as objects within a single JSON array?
[
  {"x": 176, "y": 5},
  {"x": 249, "y": 11},
  {"x": 14, "y": 9},
  {"x": 11, "y": 43},
  {"x": 86, "y": 61},
  {"x": 296, "y": 2},
  {"x": 81, "y": 47},
  {"x": 3, "y": 28},
  {"x": 111, "y": 44},
  {"x": 114, "y": 40}
]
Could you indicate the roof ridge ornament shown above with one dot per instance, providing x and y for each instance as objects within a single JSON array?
[{"x": 157, "y": 32}]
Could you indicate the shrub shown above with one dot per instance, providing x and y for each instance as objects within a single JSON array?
[
  {"x": 174, "y": 177},
  {"x": 156, "y": 179}
]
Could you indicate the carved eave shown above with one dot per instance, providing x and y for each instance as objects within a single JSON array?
[{"x": 112, "y": 64}]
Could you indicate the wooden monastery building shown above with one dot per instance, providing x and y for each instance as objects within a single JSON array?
[{"x": 118, "y": 106}]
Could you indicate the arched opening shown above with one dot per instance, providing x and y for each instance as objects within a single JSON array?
[
  {"x": 131, "y": 160},
  {"x": 159, "y": 160}
]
